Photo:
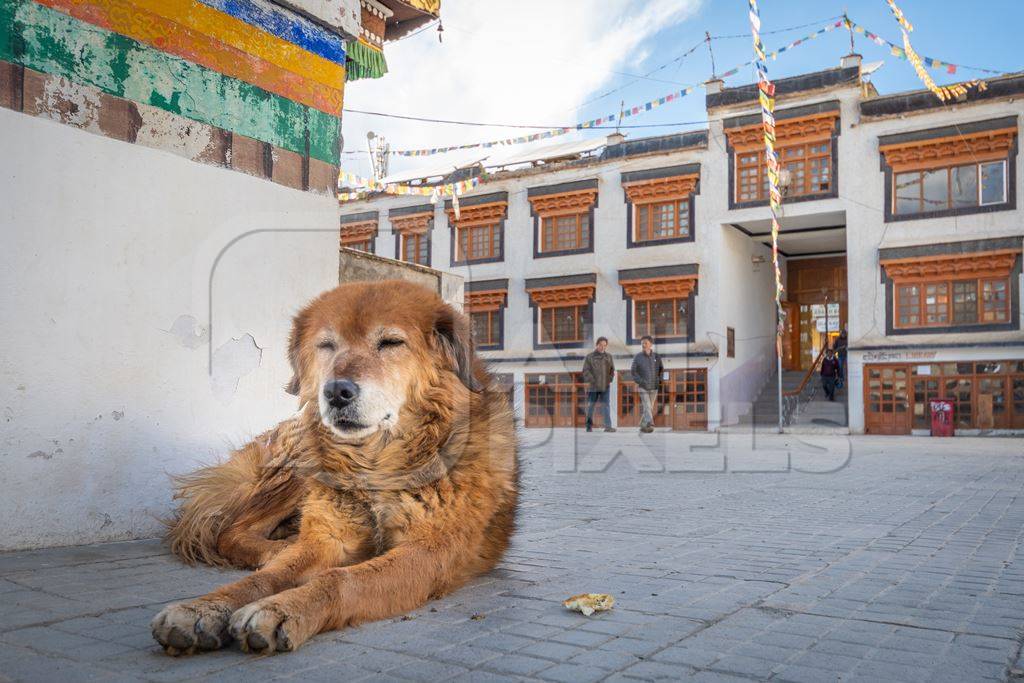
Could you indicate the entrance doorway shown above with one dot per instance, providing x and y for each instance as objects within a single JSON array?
[{"x": 815, "y": 308}]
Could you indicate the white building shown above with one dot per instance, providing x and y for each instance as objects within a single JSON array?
[{"x": 900, "y": 225}]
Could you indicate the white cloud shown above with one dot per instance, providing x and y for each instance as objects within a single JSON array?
[{"x": 525, "y": 61}]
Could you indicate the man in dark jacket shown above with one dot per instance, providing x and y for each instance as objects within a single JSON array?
[
  {"x": 598, "y": 373},
  {"x": 647, "y": 370},
  {"x": 829, "y": 373}
]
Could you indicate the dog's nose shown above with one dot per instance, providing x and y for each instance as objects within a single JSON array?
[{"x": 341, "y": 392}]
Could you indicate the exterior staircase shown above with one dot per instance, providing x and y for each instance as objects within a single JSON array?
[{"x": 814, "y": 412}]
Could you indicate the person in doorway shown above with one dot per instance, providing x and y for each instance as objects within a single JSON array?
[
  {"x": 829, "y": 373},
  {"x": 647, "y": 370},
  {"x": 842, "y": 341},
  {"x": 598, "y": 373}
]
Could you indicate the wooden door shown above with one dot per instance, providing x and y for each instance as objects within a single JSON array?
[
  {"x": 791, "y": 337},
  {"x": 688, "y": 399},
  {"x": 887, "y": 399}
]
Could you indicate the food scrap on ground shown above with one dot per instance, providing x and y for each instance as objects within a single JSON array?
[{"x": 588, "y": 603}]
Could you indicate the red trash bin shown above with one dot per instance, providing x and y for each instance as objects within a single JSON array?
[{"x": 942, "y": 417}]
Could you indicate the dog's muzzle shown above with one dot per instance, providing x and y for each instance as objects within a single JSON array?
[{"x": 341, "y": 397}]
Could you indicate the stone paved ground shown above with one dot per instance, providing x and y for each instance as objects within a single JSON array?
[{"x": 730, "y": 560}]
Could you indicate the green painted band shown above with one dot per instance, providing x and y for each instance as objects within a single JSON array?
[{"x": 45, "y": 40}]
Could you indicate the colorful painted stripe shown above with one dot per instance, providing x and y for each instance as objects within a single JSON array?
[
  {"x": 129, "y": 19},
  {"x": 292, "y": 28},
  {"x": 52, "y": 42},
  {"x": 242, "y": 36}
]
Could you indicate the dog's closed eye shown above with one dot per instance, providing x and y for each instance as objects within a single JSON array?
[
  {"x": 389, "y": 343},
  {"x": 327, "y": 345}
]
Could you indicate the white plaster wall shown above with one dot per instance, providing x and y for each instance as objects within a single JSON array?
[
  {"x": 105, "y": 273},
  {"x": 747, "y": 305}
]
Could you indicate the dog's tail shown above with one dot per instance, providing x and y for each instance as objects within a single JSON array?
[{"x": 256, "y": 485}]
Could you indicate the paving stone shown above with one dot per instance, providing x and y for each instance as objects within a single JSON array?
[{"x": 904, "y": 565}]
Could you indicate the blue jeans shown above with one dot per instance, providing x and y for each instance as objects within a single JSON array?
[{"x": 599, "y": 398}]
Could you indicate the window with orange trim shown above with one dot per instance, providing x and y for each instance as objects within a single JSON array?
[
  {"x": 662, "y": 220},
  {"x": 942, "y": 303},
  {"x": 486, "y": 328},
  {"x": 560, "y": 324},
  {"x": 416, "y": 248},
  {"x": 660, "y": 318},
  {"x": 359, "y": 245},
  {"x": 478, "y": 242},
  {"x": 951, "y": 187},
  {"x": 809, "y": 166},
  {"x": 565, "y": 233}
]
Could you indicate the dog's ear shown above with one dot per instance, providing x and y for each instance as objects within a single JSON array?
[
  {"x": 455, "y": 343},
  {"x": 294, "y": 386}
]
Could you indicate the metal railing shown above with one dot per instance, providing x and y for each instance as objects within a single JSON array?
[{"x": 804, "y": 393}]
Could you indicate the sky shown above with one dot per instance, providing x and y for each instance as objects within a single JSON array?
[{"x": 553, "y": 63}]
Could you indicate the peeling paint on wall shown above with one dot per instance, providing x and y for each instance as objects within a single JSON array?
[
  {"x": 231, "y": 362},
  {"x": 189, "y": 332}
]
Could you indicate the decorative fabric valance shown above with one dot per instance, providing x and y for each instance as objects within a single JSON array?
[
  {"x": 563, "y": 204},
  {"x": 363, "y": 60},
  {"x": 989, "y": 145},
  {"x": 787, "y": 132},
  {"x": 952, "y": 266},
  {"x": 564, "y": 295},
  {"x": 660, "y": 188},
  {"x": 481, "y": 214},
  {"x": 492, "y": 300},
  {"x": 411, "y": 224},
  {"x": 358, "y": 232},
  {"x": 660, "y": 288}
]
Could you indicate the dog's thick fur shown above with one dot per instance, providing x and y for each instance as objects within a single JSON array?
[{"x": 347, "y": 524}]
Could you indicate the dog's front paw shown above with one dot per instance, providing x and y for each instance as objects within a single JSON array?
[
  {"x": 269, "y": 625},
  {"x": 186, "y": 627}
]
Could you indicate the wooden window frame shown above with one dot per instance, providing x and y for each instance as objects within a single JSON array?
[
  {"x": 548, "y": 209},
  {"x": 804, "y": 192},
  {"x": 690, "y": 383},
  {"x": 579, "y": 323},
  {"x": 680, "y": 233},
  {"x": 491, "y": 302},
  {"x": 546, "y": 300},
  {"x": 472, "y": 233},
  {"x": 421, "y": 250},
  {"x": 922, "y": 211},
  {"x": 644, "y": 292},
  {"x": 801, "y": 132},
  {"x": 643, "y": 196},
  {"x": 494, "y": 329},
  {"x": 550, "y": 224},
  {"x": 677, "y": 333},
  {"x": 979, "y": 268},
  {"x": 948, "y": 152},
  {"x": 486, "y": 218}
]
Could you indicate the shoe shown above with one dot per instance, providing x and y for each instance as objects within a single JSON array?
[
  {"x": 609, "y": 429},
  {"x": 648, "y": 429}
]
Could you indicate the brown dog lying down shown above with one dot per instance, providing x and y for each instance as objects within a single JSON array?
[{"x": 399, "y": 473}]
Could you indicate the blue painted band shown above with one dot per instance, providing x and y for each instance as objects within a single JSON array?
[{"x": 292, "y": 28}]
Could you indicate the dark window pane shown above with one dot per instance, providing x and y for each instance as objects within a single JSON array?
[{"x": 965, "y": 302}]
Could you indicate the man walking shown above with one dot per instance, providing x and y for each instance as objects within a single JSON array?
[
  {"x": 829, "y": 373},
  {"x": 598, "y": 372},
  {"x": 647, "y": 370}
]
